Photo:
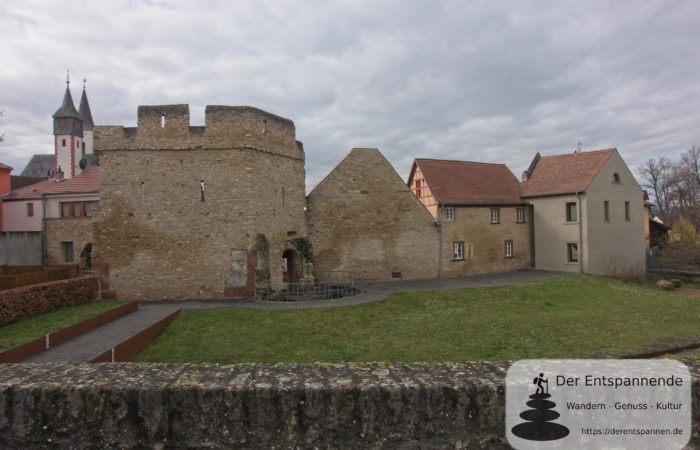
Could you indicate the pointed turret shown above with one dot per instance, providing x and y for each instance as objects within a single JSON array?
[
  {"x": 88, "y": 123},
  {"x": 85, "y": 113},
  {"x": 67, "y": 108}
]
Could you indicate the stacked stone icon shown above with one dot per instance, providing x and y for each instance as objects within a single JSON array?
[{"x": 539, "y": 425}]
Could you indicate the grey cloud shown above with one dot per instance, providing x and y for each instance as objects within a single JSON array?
[{"x": 485, "y": 81}]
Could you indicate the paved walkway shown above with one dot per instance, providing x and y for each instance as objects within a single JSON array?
[{"x": 95, "y": 342}]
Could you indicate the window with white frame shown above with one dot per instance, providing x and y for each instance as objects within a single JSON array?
[
  {"x": 508, "y": 247},
  {"x": 520, "y": 215},
  {"x": 449, "y": 213},
  {"x": 495, "y": 215},
  {"x": 458, "y": 250}
]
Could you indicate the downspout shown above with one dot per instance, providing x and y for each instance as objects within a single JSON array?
[
  {"x": 44, "y": 242},
  {"x": 580, "y": 232},
  {"x": 438, "y": 224}
]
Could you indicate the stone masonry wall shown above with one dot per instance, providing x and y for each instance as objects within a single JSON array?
[
  {"x": 75, "y": 230},
  {"x": 363, "y": 219},
  {"x": 484, "y": 242},
  {"x": 134, "y": 406},
  {"x": 155, "y": 235}
]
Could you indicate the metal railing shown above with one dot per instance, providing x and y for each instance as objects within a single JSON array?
[{"x": 326, "y": 286}]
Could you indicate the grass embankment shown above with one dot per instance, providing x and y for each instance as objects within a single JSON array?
[
  {"x": 567, "y": 317},
  {"x": 24, "y": 330}
]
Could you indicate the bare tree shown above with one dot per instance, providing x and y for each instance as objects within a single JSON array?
[{"x": 659, "y": 175}]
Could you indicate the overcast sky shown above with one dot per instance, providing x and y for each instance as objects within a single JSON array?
[{"x": 480, "y": 81}]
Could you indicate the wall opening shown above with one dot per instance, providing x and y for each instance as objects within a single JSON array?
[{"x": 289, "y": 265}]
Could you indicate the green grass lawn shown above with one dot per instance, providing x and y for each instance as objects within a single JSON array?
[
  {"x": 567, "y": 317},
  {"x": 24, "y": 330}
]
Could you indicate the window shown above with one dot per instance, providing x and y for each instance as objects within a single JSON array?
[
  {"x": 66, "y": 209},
  {"x": 627, "y": 211},
  {"x": 449, "y": 213},
  {"x": 508, "y": 249},
  {"x": 616, "y": 178},
  {"x": 64, "y": 142},
  {"x": 30, "y": 209},
  {"x": 495, "y": 215},
  {"x": 571, "y": 214},
  {"x": 459, "y": 250},
  {"x": 77, "y": 209},
  {"x": 418, "y": 189},
  {"x": 606, "y": 211},
  {"x": 572, "y": 252},
  {"x": 67, "y": 250},
  {"x": 520, "y": 215}
]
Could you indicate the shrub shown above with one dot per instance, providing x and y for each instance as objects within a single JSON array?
[{"x": 29, "y": 301}]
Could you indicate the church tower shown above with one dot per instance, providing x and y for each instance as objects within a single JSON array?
[{"x": 68, "y": 134}]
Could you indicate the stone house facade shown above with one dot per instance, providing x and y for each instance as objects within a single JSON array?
[
  {"x": 362, "y": 218},
  {"x": 482, "y": 223},
  {"x": 191, "y": 212}
]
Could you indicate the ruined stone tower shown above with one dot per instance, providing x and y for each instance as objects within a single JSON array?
[{"x": 192, "y": 212}]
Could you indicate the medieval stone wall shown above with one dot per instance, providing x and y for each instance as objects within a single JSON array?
[
  {"x": 484, "y": 242},
  {"x": 130, "y": 406},
  {"x": 155, "y": 231},
  {"x": 75, "y": 230},
  {"x": 364, "y": 219}
]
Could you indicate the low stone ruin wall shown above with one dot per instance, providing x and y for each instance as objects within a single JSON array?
[{"x": 123, "y": 405}]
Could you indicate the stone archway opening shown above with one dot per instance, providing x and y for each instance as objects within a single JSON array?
[{"x": 289, "y": 266}]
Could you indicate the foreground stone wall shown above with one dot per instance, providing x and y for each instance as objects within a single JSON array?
[{"x": 455, "y": 406}]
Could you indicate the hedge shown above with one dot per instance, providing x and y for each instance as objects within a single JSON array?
[{"x": 36, "y": 299}]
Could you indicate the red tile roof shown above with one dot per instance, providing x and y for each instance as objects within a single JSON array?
[
  {"x": 469, "y": 183},
  {"x": 563, "y": 174},
  {"x": 87, "y": 182}
]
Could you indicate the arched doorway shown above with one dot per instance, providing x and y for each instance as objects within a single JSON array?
[{"x": 289, "y": 266}]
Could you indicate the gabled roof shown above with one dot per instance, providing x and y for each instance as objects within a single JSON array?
[
  {"x": 67, "y": 108},
  {"x": 87, "y": 182},
  {"x": 469, "y": 183},
  {"x": 563, "y": 174},
  {"x": 3, "y": 166},
  {"x": 39, "y": 166},
  {"x": 85, "y": 113}
]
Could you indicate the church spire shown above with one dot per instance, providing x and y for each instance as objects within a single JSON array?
[
  {"x": 67, "y": 108},
  {"x": 85, "y": 113}
]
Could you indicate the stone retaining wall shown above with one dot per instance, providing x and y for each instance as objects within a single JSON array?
[{"x": 126, "y": 405}]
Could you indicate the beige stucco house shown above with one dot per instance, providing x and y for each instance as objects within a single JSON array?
[
  {"x": 588, "y": 213},
  {"x": 481, "y": 220}
]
